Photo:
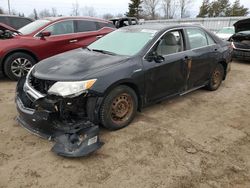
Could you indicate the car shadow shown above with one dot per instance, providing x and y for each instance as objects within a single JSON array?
[
  {"x": 241, "y": 61},
  {"x": 5, "y": 79}
]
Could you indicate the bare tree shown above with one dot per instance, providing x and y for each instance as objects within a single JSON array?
[
  {"x": 44, "y": 13},
  {"x": 75, "y": 9},
  {"x": 169, "y": 7},
  {"x": 150, "y": 7},
  {"x": 54, "y": 12},
  {"x": 184, "y": 4},
  {"x": 88, "y": 11},
  {"x": 119, "y": 15},
  {"x": 34, "y": 15},
  {"x": 107, "y": 16}
]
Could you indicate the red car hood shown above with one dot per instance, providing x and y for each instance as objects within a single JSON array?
[{"x": 6, "y": 27}]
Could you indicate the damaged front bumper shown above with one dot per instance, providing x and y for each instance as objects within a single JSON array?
[{"x": 74, "y": 136}]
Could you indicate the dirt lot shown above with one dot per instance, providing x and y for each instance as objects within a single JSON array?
[{"x": 198, "y": 140}]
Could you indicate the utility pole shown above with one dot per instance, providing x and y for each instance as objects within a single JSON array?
[{"x": 9, "y": 5}]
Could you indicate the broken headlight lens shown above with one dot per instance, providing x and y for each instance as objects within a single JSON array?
[{"x": 71, "y": 89}]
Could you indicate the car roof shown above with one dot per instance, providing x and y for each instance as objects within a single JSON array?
[
  {"x": 14, "y": 16},
  {"x": 74, "y": 17},
  {"x": 159, "y": 26},
  {"x": 120, "y": 18}
]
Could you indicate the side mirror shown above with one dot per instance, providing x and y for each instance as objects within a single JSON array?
[
  {"x": 153, "y": 56},
  {"x": 45, "y": 34}
]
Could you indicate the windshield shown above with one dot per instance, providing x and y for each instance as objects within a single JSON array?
[
  {"x": 227, "y": 30},
  {"x": 33, "y": 26},
  {"x": 124, "y": 42}
]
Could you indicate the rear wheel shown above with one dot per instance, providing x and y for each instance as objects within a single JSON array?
[
  {"x": 18, "y": 65},
  {"x": 119, "y": 108},
  {"x": 216, "y": 78}
]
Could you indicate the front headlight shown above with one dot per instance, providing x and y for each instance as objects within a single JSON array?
[{"x": 71, "y": 89}]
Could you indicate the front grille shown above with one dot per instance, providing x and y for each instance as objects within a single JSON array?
[{"x": 40, "y": 85}]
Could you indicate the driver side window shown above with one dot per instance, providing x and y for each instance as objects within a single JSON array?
[
  {"x": 61, "y": 28},
  {"x": 170, "y": 43}
]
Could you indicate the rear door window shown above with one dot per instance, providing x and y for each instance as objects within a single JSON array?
[
  {"x": 86, "y": 26},
  {"x": 197, "y": 38}
]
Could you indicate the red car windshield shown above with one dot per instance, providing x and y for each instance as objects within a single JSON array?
[{"x": 30, "y": 28}]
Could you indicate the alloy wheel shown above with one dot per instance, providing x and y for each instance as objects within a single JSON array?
[{"x": 20, "y": 66}]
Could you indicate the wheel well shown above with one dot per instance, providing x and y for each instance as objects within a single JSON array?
[
  {"x": 132, "y": 86},
  {"x": 16, "y": 51},
  {"x": 224, "y": 64},
  {"x": 137, "y": 92}
]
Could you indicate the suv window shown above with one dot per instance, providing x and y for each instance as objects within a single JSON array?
[
  {"x": 18, "y": 22},
  {"x": 65, "y": 27},
  {"x": 197, "y": 38},
  {"x": 84, "y": 26},
  {"x": 2, "y": 20},
  {"x": 171, "y": 42},
  {"x": 125, "y": 23},
  {"x": 133, "y": 22}
]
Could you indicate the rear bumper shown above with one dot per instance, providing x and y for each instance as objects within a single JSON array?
[{"x": 241, "y": 54}]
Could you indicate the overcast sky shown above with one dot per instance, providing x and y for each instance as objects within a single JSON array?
[{"x": 101, "y": 6}]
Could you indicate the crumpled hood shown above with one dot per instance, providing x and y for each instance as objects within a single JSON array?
[
  {"x": 75, "y": 65},
  {"x": 242, "y": 25}
]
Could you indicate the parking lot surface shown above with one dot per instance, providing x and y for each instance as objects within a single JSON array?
[{"x": 201, "y": 139}]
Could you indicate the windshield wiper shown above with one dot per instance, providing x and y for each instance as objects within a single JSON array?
[{"x": 102, "y": 51}]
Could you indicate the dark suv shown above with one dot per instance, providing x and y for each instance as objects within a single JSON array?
[
  {"x": 124, "y": 21},
  {"x": 15, "y": 22}
]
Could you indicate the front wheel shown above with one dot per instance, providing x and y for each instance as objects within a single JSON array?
[
  {"x": 18, "y": 65},
  {"x": 216, "y": 78},
  {"x": 119, "y": 108}
]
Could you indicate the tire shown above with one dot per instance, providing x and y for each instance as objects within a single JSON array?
[
  {"x": 216, "y": 78},
  {"x": 17, "y": 65},
  {"x": 118, "y": 108}
]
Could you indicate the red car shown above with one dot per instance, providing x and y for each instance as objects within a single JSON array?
[{"x": 44, "y": 38}]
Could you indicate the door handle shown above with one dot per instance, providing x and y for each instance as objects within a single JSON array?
[
  {"x": 99, "y": 36},
  {"x": 73, "y": 41},
  {"x": 187, "y": 59}
]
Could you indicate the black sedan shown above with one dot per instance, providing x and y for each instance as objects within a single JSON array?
[{"x": 65, "y": 97}]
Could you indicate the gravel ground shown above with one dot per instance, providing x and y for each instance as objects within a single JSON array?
[{"x": 198, "y": 140}]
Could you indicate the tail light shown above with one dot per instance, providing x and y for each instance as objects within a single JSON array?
[{"x": 232, "y": 45}]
